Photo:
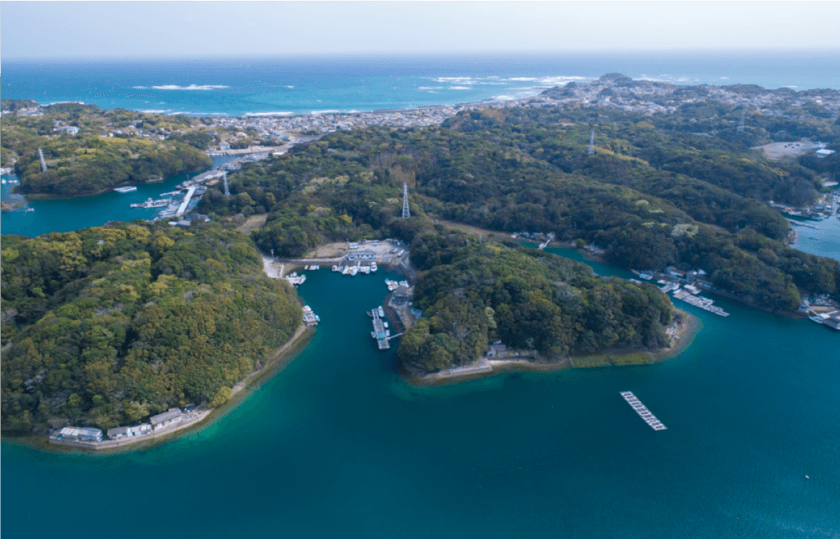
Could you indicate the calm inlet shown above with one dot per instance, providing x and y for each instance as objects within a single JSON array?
[{"x": 336, "y": 445}]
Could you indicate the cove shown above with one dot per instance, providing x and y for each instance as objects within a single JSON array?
[
  {"x": 336, "y": 445},
  {"x": 69, "y": 214}
]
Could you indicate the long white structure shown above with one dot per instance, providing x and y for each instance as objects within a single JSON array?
[
  {"x": 642, "y": 410},
  {"x": 183, "y": 207}
]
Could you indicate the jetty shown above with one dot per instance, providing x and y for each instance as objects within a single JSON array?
[
  {"x": 800, "y": 223},
  {"x": 379, "y": 332},
  {"x": 642, "y": 410},
  {"x": 183, "y": 207}
]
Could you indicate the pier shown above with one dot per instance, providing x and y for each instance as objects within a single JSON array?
[
  {"x": 700, "y": 302},
  {"x": 642, "y": 410},
  {"x": 183, "y": 207},
  {"x": 379, "y": 331}
]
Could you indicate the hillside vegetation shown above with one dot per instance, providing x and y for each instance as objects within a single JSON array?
[
  {"x": 108, "y": 325},
  {"x": 648, "y": 197},
  {"x": 92, "y": 161}
]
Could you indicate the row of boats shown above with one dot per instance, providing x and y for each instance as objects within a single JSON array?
[
  {"x": 393, "y": 285},
  {"x": 295, "y": 279},
  {"x": 355, "y": 270},
  {"x": 700, "y": 302}
]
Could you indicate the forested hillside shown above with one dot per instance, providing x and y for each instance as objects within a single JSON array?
[
  {"x": 92, "y": 160},
  {"x": 483, "y": 292},
  {"x": 648, "y": 197},
  {"x": 107, "y": 325}
]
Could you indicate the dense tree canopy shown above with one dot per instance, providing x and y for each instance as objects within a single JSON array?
[
  {"x": 107, "y": 325},
  {"x": 482, "y": 292},
  {"x": 648, "y": 196}
]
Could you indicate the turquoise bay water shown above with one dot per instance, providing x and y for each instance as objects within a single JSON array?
[
  {"x": 68, "y": 214},
  {"x": 337, "y": 446}
]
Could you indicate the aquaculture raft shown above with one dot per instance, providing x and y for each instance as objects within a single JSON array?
[{"x": 642, "y": 410}]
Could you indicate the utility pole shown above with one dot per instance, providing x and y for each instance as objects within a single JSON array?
[
  {"x": 741, "y": 125},
  {"x": 43, "y": 163},
  {"x": 592, "y": 143},
  {"x": 406, "y": 213}
]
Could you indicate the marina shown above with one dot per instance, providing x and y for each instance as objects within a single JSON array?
[{"x": 642, "y": 410}]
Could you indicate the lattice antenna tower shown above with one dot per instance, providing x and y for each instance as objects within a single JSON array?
[
  {"x": 592, "y": 143},
  {"x": 43, "y": 163},
  {"x": 227, "y": 189},
  {"x": 406, "y": 213},
  {"x": 741, "y": 125}
]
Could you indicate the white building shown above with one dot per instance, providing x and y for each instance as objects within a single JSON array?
[{"x": 165, "y": 419}]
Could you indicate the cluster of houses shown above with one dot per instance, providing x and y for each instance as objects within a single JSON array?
[{"x": 88, "y": 434}]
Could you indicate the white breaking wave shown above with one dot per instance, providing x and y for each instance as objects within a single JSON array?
[
  {"x": 559, "y": 80},
  {"x": 331, "y": 111},
  {"x": 524, "y": 79},
  {"x": 190, "y": 87},
  {"x": 154, "y": 111},
  {"x": 504, "y": 98},
  {"x": 460, "y": 80},
  {"x": 278, "y": 113}
]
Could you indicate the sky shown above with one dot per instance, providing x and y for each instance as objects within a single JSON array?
[{"x": 200, "y": 29}]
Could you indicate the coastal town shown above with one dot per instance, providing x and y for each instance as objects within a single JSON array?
[{"x": 267, "y": 132}]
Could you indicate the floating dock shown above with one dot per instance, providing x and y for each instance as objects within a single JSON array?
[
  {"x": 642, "y": 410},
  {"x": 700, "y": 302},
  {"x": 378, "y": 332}
]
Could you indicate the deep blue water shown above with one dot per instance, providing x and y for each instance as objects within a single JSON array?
[{"x": 305, "y": 85}]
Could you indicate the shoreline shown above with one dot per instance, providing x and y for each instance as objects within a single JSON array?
[
  {"x": 281, "y": 358},
  {"x": 682, "y": 336}
]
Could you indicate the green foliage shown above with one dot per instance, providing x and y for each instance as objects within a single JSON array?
[
  {"x": 107, "y": 325},
  {"x": 526, "y": 299},
  {"x": 222, "y": 396},
  {"x": 89, "y": 162}
]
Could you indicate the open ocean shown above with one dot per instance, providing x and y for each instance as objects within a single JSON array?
[
  {"x": 336, "y": 445},
  {"x": 305, "y": 85}
]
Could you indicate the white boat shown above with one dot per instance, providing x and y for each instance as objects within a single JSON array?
[
  {"x": 3, "y": 182},
  {"x": 335, "y": 268},
  {"x": 385, "y": 324},
  {"x": 373, "y": 267},
  {"x": 29, "y": 210},
  {"x": 381, "y": 312},
  {"x": 353, "y": 271},
  {"x": 128, "y": 189}
]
